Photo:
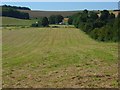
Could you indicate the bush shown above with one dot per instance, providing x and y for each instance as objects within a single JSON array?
[
  {"x": 34, "y": 25},
  {"x": 22, "y": 26},
  {"x": 55, "y": 26},
  {"x": 94, "y": 33},
  {"x": 88, "y": 27}
]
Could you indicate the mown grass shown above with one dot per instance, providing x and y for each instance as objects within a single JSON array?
[
  {"x": 9, "y": 21},
  {"x": 57, "y": 57}
]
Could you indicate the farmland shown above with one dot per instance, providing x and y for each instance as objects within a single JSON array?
[
  {"x": 8, "y": 21},
  {"x": 37, "y": 14},
  {"x": 57, "y": 57}
]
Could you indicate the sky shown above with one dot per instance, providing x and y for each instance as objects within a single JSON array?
[{"x": 65, "y": 6}]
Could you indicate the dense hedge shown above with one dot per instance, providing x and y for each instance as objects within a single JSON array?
[{"x": 103, "y": 28}]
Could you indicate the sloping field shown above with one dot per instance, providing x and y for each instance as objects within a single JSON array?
[
  {"x": 57, "y": 57},
  {"x": 8, "y": 21},
  {"x": 37, "y": 14}
]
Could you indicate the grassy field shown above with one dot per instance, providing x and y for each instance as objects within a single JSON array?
[
  {"x": 8, "y": 21},
  {"x": 57, "y": 57}
]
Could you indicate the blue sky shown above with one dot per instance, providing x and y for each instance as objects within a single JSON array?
[{"x": 65, "y": 6}]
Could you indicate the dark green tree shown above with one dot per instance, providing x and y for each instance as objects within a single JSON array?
[
  {"x": 58, "y": 19},
  {"x": 85, "y": 11},
  {"x": 88, "y": 27},
  {"x": 118, "y": 16},
  {"x": 45, "y": 22},
  {"x": 93, "y": 15},
  {"x": 112, "y": 16},
  {"x": 70, "y": 21},
  {"x": 104, "y": 15},
  {"x": 52, "y": 19}
]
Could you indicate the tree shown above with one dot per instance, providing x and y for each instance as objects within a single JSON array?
[
  {"x": 88, "y": 27},
  {"x": 70, "y": 20},
  {"x": 98, "y": 24},
  {"x": 116, "y": 30},
  {"x": 45, "y": 22},
  {"x": 76, "y": 21},
  {"x": 93, "y": 15},
  {"x": 104, "y": 15},
  {"x": 85, "y": 11},
  {"x": 84, "y": 15},
  {"x": 52, "y": 19},
  {"x": 58, "y": 19},
  {"x": 55, "y": 19},
  {"x": 118, "y": 16},
  {"x": 112, "y": 16}
]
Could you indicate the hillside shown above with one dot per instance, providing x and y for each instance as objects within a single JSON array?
[
  {"x": 57, "y": 58},
  {"x": 36, "y": 14},
  {"x": 8, "y": 21}
]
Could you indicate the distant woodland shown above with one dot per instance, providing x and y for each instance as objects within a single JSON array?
[{"x": 11, "y": 11}]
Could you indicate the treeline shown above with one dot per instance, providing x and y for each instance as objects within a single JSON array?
[
  {"x": 102, "y": 28},
  {"x": 44, "y": 21},
  {"x": 11, "y": 12},
  {"x": 16, "y": 7}
]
